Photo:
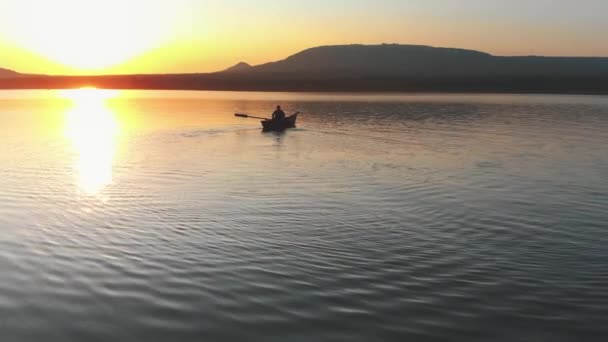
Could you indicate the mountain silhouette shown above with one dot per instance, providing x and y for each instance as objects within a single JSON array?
[
  {"x": 386, "y": 67},
  {"x": 372, "y": 60},
  {"x": 239, "y": 67},
  {"x": 6, "y": 73},
  {"x": 425, "y": 61}
]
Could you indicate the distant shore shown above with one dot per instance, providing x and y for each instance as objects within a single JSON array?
[
  {"x": 224, "y": 82},
  {"x": 365, "y": 68}
]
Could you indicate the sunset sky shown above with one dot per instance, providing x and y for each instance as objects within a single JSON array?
[{"x": 162, "y": 36}]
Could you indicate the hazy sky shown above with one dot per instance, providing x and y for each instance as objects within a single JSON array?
[{"x": 124, "y": 36}]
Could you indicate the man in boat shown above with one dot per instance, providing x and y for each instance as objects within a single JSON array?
[{"x": 278, "y": 114}]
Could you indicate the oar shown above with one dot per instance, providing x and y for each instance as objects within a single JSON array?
[{"x": 249, "y": 116}]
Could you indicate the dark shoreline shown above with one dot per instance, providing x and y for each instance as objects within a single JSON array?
[{"x": 285, "y": 83}]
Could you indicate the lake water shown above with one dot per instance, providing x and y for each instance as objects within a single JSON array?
[{"x": 159, "y": 216}]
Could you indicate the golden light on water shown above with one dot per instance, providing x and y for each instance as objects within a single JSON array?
[{"x": 92, "y": 129}]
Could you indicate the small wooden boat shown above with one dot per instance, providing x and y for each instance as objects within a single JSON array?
[{"x": 279, "y": 126}]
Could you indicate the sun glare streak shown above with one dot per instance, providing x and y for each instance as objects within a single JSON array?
[{"x": 92, "y": 130}]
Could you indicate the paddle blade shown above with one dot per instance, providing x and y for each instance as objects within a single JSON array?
[{"x": 241, "y": 115}]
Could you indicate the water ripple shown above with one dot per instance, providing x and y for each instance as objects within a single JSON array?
[{"x": 383, "y": 220}]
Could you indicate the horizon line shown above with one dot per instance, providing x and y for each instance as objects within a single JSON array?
[{"x": 25, "y": 74}]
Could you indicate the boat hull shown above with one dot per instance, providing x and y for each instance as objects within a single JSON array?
[{"x": 279, "y": 126}]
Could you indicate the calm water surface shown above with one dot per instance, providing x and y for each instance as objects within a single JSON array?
[{"x": 159, "y": 216}]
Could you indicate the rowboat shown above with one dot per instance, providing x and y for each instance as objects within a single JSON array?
[{"x": 279, "y": 125}]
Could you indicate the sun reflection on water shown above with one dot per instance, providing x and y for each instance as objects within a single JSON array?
[{"x": 92, "y": 129}]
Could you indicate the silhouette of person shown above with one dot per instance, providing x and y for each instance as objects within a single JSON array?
[{"x": 278, "y": 114}]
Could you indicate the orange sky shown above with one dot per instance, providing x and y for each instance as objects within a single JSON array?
[{"x": 158, "y": 36}]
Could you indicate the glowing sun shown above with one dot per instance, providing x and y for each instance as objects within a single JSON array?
[{"x": 87, "y": 35}]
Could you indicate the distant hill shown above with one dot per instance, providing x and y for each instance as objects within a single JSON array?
[
  {"x": 5, "y": 73},
  {"x": 373, "y": 60},
  {"x": 239, "y": 67},
  {"x": 424, "y": 61},
  {"x": 376, "y": 68}
]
